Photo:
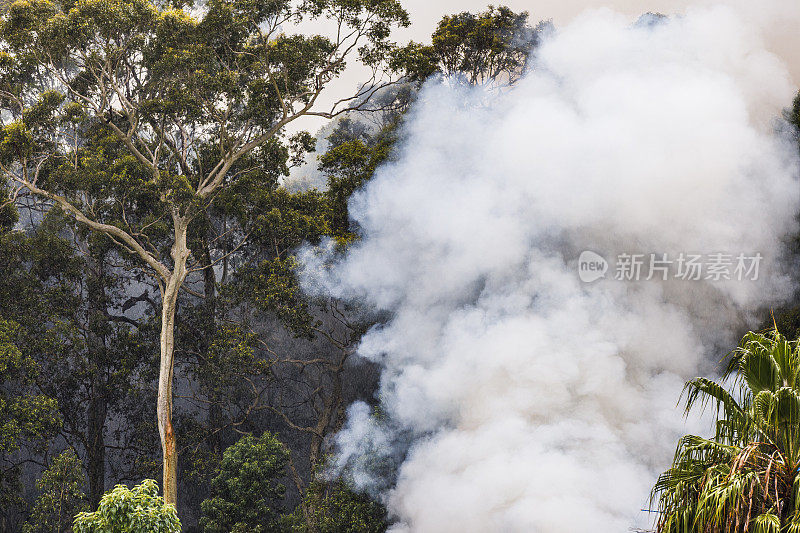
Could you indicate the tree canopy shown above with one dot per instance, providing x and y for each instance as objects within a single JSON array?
[{"x": 132, "y": 117}]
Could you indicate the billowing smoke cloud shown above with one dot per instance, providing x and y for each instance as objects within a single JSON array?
[{"x": 520, "y": 398}]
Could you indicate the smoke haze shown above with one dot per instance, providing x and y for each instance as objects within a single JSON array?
[
  {"x": 515, "y": 397},
  {"x": 776, "y": 19}
]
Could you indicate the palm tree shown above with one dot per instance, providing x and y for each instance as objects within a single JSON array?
[{"x": 744, "y": 479}]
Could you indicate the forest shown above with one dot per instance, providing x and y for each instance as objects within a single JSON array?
[{"x": 212, "y": 320}]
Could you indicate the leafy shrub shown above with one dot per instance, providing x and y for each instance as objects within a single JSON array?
[
  {"x": 335, "y": 508},
  {"x": 246, "y": 493},
  {"x": 136, "y": 510},
  {"x": 60, "y": 496}
]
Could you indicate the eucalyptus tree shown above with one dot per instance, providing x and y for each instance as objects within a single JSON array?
[
  {"x": 746, "y": 477},
  {"x": 491, "y": 48},
  {"x": 155, "y": 108}
]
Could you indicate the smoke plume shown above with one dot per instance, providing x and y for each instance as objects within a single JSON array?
[{"x": 514, "y": 396}]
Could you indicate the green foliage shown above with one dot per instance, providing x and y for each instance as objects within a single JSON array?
[
  {"x": 8, "y": 212},
  {"x": 66, "y": 300},
  {"x": 746, "y": 477},
  {"x": 246, "y": 492},
  {"x": 26, "y": 417},
  {"x": 231, "y": 353},
  {"x": 160, "y": 126},
  {"x": 61, "y": 496},
  {"x": 335, "y": 508},
  {"x": 275, "y": 220},
  {"x": 124, "y": 510},
  {"x": 271, "y": 285},
  {"x": 349, "y": 164},
  {"x": 40, "y": 272},
  {"x": 278, "y": 222},
  {"x": 226, "y": 70},
  {"x": 484, "y": 48},
  {"x": 22, "y": 416},
  {"x": 492, "y": 47},
  {"x": 792, "y": 115},
  {"x": 208, "y": 93}
]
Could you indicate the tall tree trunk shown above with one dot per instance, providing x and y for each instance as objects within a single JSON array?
[
  {"x": 97, "y": 408},
  {"x": 208, "y": 323},
  {"x": 96, "y": 446},
  {"x": 180, "y": 253}
]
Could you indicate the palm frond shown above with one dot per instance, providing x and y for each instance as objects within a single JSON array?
[
  {"x": 767, "y": 523},
  {"x": 744, "y": 479}
]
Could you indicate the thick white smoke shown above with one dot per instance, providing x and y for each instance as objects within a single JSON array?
[{"x": 531, "y": 401}]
